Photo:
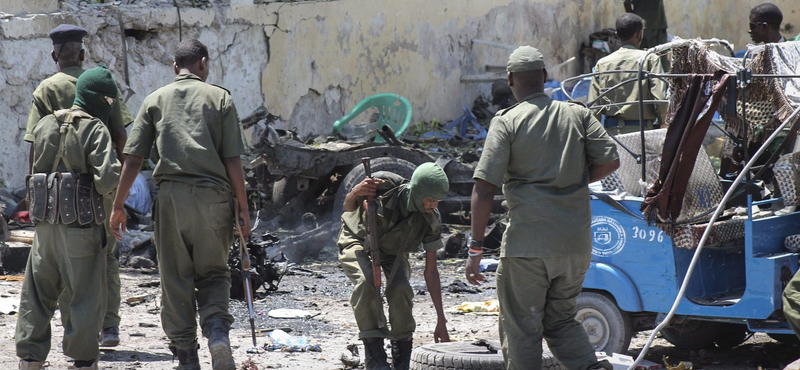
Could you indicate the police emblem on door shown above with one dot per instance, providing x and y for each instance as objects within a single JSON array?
[{"x": 608, "y": 236}]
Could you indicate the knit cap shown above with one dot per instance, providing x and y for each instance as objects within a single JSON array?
[{"x": 92, "y": 88}]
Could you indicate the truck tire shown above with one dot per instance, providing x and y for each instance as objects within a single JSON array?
[
  {"x": 730, "y": 335},
  {"x": 399, "y": 166},
  {"x": 467, "y": 356},
  {"x": 608, "y": 327},
  {"x": 692, "y": 334}
]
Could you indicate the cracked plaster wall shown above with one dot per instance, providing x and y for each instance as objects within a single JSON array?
[{"x": 310, "y": 62}]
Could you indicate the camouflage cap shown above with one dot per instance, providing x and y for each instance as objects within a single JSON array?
[{"x": 525, "y": 58}]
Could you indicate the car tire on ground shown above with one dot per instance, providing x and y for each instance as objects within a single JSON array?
[
  {"x": 468, "y": 356},
  {"x": 692, "y": 334},
  {"x": 357, "y": 174},
  {"x": 608, "y": 327},
  {"x": 730, "y": 335}
]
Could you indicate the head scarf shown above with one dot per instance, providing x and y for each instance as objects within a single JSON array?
[{"x": 428, "y": 180}]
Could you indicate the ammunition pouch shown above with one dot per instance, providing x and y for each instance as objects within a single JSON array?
[{"x": 64, "y": 198}]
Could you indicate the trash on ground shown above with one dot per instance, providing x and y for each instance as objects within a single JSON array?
[
  {"x": 290, "y": 313},
  {"x": 285, "y": 342},
  {"x": 459, "y": 286},
  {"x": 249, "y": 365},
  {"x": 623, "y": 362},
  {"x": 489, "y": 265},
  {"x": 683, "y": 365},
  {"x": 490, "y": 307},
  {"x": 351, "y": 359},
  {"x": 9, "y": 306},
  {"x": 12, "y": 277},
  {"x": 137, "y": 300}
]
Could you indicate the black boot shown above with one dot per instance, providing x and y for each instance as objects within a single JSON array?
[
  {"x": 374, "y": 354},
  {"x": 401, "y": 354},
  {"x": 219, "y": 344},
  {"x": 187, "y": 358}
]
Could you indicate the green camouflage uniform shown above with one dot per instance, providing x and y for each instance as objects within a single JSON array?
[
  {"x": 67, "y": 263},
  {"x": 627, "y": 58},
  {"x": 402, "y": 228},
  {"x": 540, "y": 151},
  {"x": 193, "y": 126},
  {"x": 58, "y": 92}
]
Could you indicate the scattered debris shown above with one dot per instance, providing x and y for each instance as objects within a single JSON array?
[
  {"x": 290, "y": 313},
  {"x": 351, "y": 358},
  {"x": 683, "y": 365},
  {"x": 490, "y": 307},
  {"x": 137, "y": 300},
  {"x": 9, "y": 306},
  {"x": 623, "y": 362},
  {"x": 284, "y": 342},
  {"x": 489, "y": 264},
  {"x": 249, "y": 365},
  {"x": 459, "y": 286},
  {"x": 264, "y": 269}
]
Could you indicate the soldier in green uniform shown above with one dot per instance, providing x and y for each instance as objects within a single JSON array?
[
  {"x": 625, "y": 118},
  {"x": 196, "y": 133},
  {"x": 407, "y": 217},
  {"x": 655, "y": 20},
  {"x": 544, "y": 153},
  {"x": 58, "y": 92},
  {"x": 67, "y": 258}
]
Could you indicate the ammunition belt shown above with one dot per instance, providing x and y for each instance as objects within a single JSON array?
[{"x": 64, "y": 198}]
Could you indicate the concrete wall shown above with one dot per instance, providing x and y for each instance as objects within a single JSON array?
[{"x": 311, "y": 62}]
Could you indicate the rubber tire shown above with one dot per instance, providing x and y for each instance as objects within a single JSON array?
[
  {"x": 785, "y": 338},
  {"x": 466, "y": 356},
  {"x": 357, "y": 174},
  {"x": 730, "y": 335},
  {"x": 692, "y": 334},
  {"x": 608, "y": 327}
]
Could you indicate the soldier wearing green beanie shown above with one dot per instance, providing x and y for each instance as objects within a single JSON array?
[
  {"x": 67, "y": 263},
  {"x": 543, "y": 153},
  {"x": 407, "y": 218},
  {"x": 58, "y": 92}
]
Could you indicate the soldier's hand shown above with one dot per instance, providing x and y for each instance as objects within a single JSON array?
[
  {"x": 244, "y": 222},
  {"x": 368, "y": 187},
  {"x": 118, "y": 221},
  {"x": 440, "y": 333},
  {"x": 473, "y": 270}
]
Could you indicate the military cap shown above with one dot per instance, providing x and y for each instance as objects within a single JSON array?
[
  {"x": 525, "y": 58},
  {"x": 67, "y": 33}
]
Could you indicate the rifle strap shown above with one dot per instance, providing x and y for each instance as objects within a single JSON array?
[{"x": 396, "y": 264}]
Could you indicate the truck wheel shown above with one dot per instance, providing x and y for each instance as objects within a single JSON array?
[
  {"x": 692, "y": 334},
  {"x": 608, "y": 327},
  {"x": 785, "y": 338},
  {"x": 730, "y": 335},
  {"x": 468, "y": 356},
  {"x": 398, "y": 166}
]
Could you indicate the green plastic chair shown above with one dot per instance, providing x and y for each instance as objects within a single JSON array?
[{"x": 393, "y": 110}]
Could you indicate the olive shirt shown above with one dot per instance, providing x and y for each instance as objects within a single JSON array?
[
  {"x": 58, "y": 92},
  {"x": 540, "y": 150},
  {"x": 627, "y": 58},
  {"x": 194, "y": 126},
  {"x": 87, "y": 142},
  {"x": 400, "y": 231}
]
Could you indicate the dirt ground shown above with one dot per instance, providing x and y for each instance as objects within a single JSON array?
[{"x": 325, "y": 291}]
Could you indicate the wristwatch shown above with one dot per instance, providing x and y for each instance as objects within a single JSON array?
[{"x": 475, "y": 244}]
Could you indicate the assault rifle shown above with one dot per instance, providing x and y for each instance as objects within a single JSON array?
[{"x": 373, "y": 246}]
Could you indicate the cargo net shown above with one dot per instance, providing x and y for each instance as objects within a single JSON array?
[{"x": 768, "y": 101}]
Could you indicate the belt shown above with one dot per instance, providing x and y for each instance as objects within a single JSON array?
[{"x": 609, "y": 122}]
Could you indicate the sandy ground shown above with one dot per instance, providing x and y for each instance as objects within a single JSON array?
[{"x": 325, "y": 291}]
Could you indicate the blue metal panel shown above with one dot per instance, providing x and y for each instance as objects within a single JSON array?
[{"x": 601, "y": 276}]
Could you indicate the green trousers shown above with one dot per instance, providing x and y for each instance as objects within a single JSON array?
[
  {"x": 365, "y": 299},
  {"x": 537, "y": 299},
  {"x": 111, "y": 318},
  {"x": 791, "y": 304},
  {"x": 66, "y": 264},
  {"x": 193, "y": 234}
]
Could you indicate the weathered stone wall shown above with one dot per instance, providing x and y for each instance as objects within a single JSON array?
[{"x": 310, "y": 62}]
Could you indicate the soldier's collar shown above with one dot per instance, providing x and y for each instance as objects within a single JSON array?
[
  {"x": 534, "y": 95},
  {"x": 187, "y": 76}
]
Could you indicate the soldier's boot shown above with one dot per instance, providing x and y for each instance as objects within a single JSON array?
[
  {"x": 86, "y": 365},
  {"x": 30, "y": 365},
  {"x": 219, "y": 345},
  {"x": 187, "y": 358},
  {"x": 401, "y": 354},
  {"x": 109, "y": 337},
  {"x": 374, "y": 354}
]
